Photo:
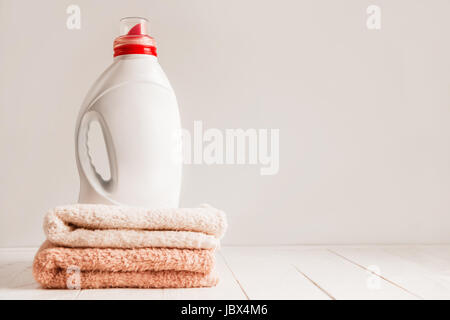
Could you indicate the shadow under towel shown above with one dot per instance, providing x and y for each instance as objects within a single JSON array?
[{"x": 60, "y": 267}]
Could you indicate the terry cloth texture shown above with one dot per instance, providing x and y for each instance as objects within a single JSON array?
[
  {"x": 105, "y": 226},
  {"x": 57, "y": 267}
]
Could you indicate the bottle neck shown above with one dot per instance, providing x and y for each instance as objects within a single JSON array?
[{"x": 135, "y": 56}]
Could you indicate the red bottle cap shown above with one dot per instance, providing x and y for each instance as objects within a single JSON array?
[{"x": 134, "y": 38}]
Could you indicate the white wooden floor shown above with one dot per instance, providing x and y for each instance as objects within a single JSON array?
[{"x": 297, "y": 272}]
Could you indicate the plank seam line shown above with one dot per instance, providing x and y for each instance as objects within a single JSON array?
[
  {"x": 314, "y": 283},
  {"x": 77, "y": 295},
  {"x": 234, "y": 276},
  {"x": 376, "y": 274}
]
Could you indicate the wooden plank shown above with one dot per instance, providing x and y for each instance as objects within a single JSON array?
[
  {"x": 20, "y": 284},
  {"x": 343, "y": 279},
  {"x": 428, "y": 269},
  {"x": 275, "y": 273},
  {"x": 16, "y": 281},
  {"x": 121, "y": 294},
  {"x": 16, "y": 278},
  {"x": 9, "y": 271},
  {"x": 264, "y": 273},
  {"x": 438, "y": 251},
  {"x": 405, "y": 273},
  {"x": 227, "y": 288}
]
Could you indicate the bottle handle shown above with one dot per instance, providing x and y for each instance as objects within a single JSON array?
[{"x": 100, "y": 185}]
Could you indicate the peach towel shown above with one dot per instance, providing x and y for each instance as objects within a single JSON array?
[
  {"x": 120, "y": 268},
  {"x": 105, "y": 226}
]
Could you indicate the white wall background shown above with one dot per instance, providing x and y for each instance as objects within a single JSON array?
[{"x": 364, "y": 116}]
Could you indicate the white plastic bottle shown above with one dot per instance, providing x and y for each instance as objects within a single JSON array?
[{"x": 138, "y": 113}]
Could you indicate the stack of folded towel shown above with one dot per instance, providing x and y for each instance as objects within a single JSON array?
[{"x": 115, "y": 246}]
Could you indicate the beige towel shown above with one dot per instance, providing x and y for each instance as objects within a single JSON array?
[{"x": 104, "y": 226}]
